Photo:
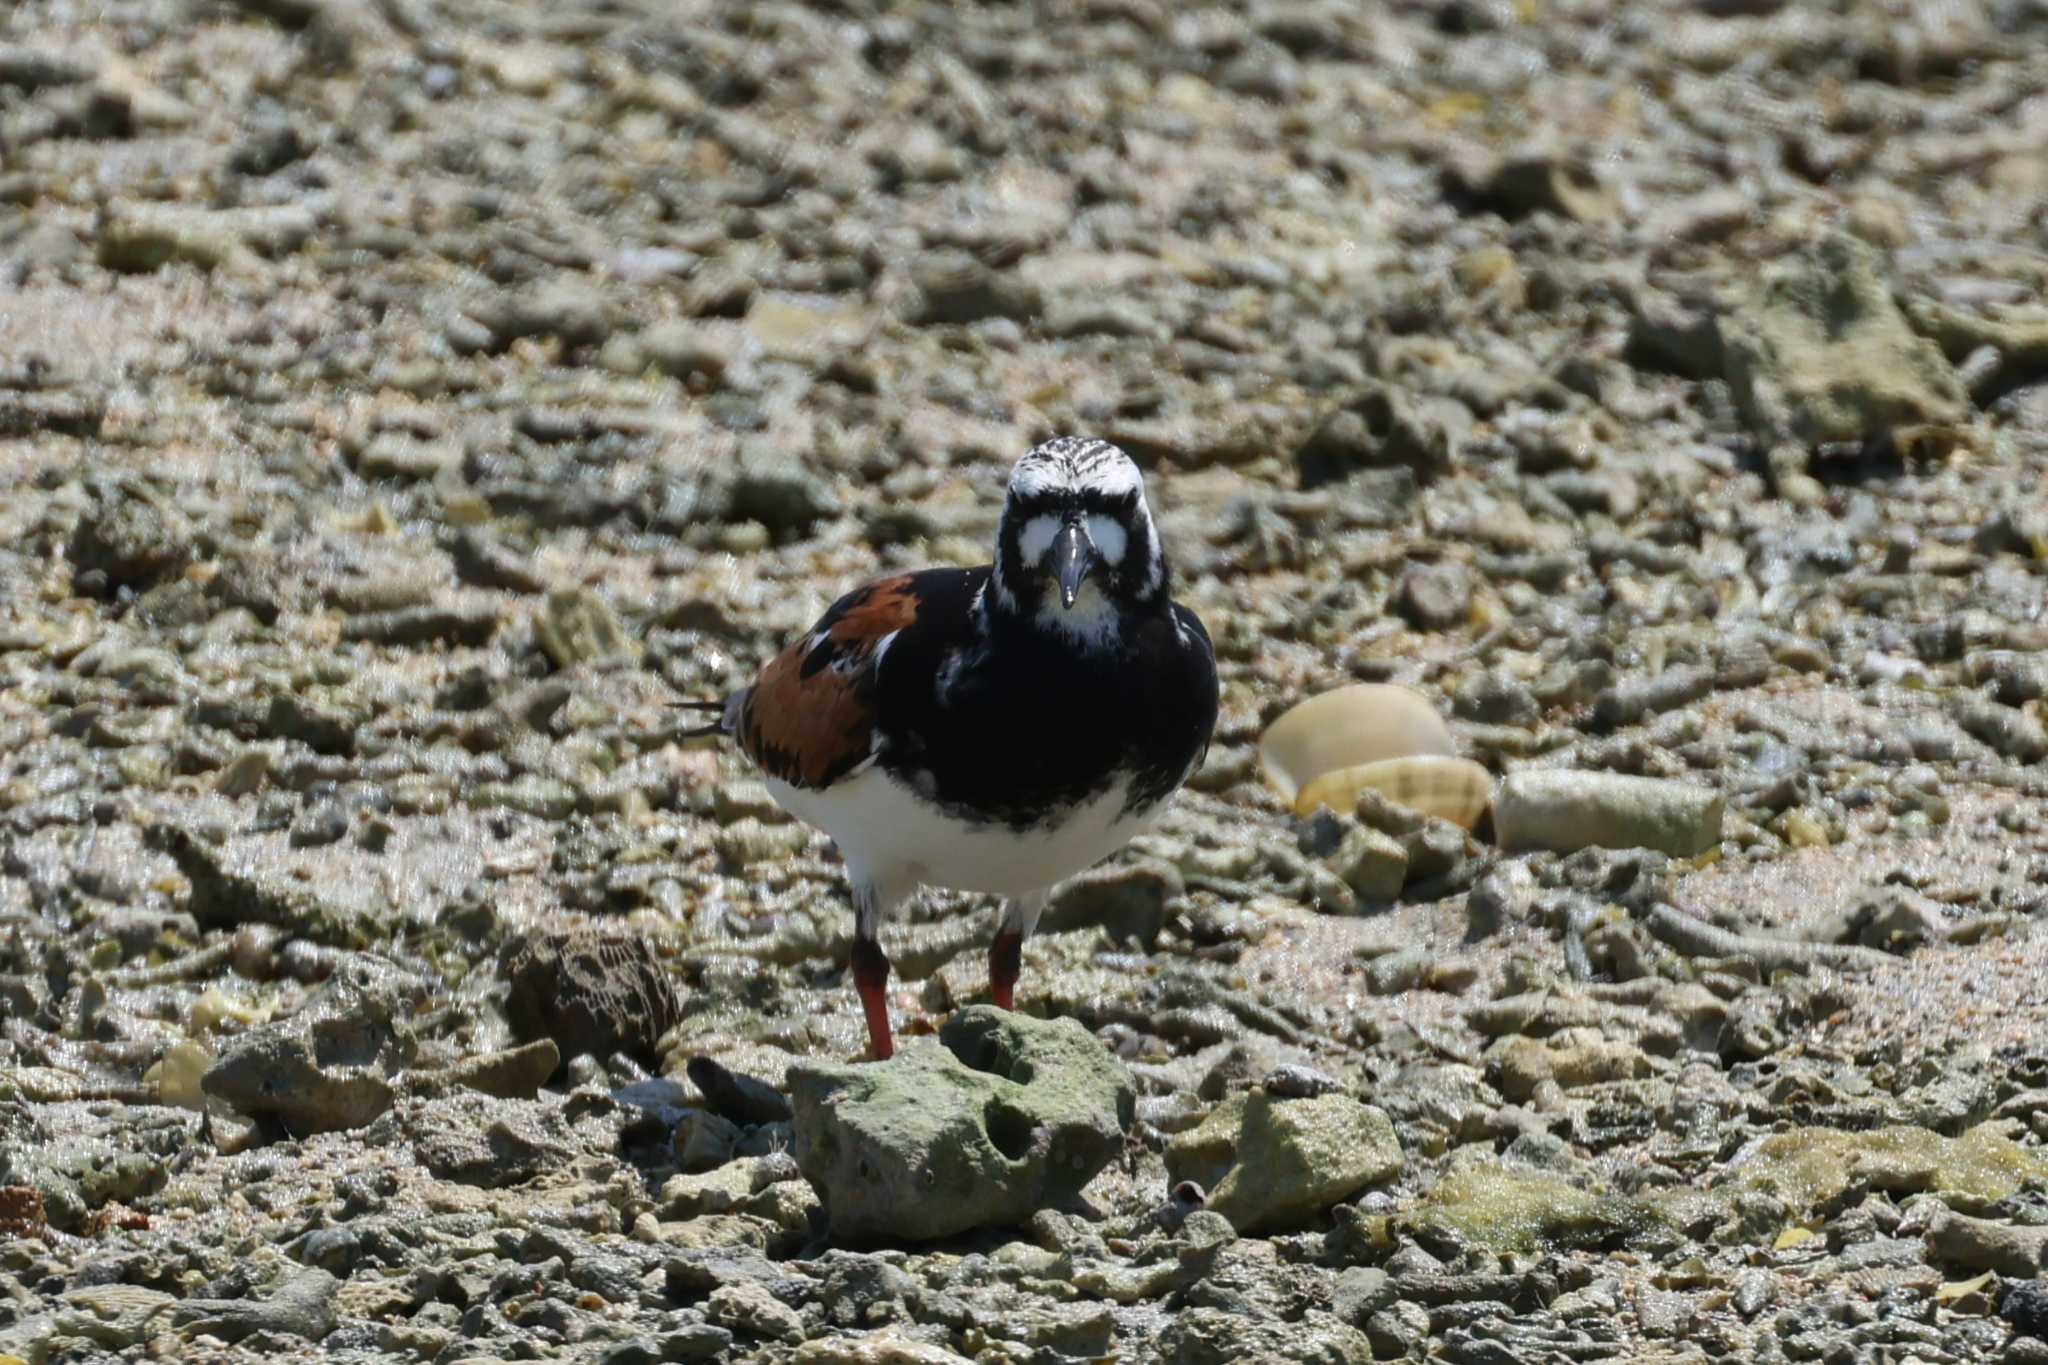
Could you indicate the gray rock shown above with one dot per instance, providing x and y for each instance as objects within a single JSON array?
[
  {"x": 481, "y": 1140},
  {"x": 1376, "y": 427},
  {"x": 1435, "y": 596},
  {"x": 1372, "y": 863},
  {"x": 741, "y": 1098},
  {"x": 747, "y": 1309},
  {"x": 1398, "y": 1330},
  {"x": 781, "y": 492},
  {"x": 1004, "y": 1115},
  {"x": 332, "y": 1062},
  {"x": 302, "y": 1306},
  {"x": 1220, "y": 1336},
  {"x": 1129, "y": 901},
  {"x": 1502, "y": 897},
  {"x": 575, "y": 625},
  {"x": 1271, "y": 1164}
]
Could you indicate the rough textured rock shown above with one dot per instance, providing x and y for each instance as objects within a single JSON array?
[
  {"x": 1376, "y": 427},
  {"x": 1272, "y": 1163},
  {"x": 1819, "y": 354},
  {"x": 333, "y": 1062},
  {"x": 1568, "y": 811},
  {"x": 1217, "y": 1336},
  {"x": 591, "y": 993},
  {"x": 1002, "y": 1116}
]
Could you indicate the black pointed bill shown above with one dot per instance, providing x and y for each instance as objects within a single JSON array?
[{"x": 1072, "y": 557}]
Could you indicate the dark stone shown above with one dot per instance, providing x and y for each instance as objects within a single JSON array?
[{"x": 591, "y": 993}]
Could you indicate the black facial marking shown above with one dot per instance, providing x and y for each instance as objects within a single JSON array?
[{"x": 1074, "y": 478}]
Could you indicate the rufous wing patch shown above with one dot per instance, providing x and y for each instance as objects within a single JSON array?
[{"x": 809, "y": 718}]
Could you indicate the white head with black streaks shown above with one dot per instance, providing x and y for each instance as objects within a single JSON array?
[{"x": 1077, "y": 549}]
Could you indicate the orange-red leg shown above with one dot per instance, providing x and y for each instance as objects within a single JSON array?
[
  {"x": 871, "y": 979},
  {"x": 1005, "y": 958}
]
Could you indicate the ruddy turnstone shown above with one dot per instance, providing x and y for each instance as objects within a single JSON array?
[{"x": 992, "y": 729}]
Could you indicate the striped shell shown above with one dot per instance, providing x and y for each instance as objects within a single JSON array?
[{"x": 1454, "y": 789}]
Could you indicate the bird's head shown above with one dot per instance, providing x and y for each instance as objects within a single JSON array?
[{"x": 1076, "y": 545}]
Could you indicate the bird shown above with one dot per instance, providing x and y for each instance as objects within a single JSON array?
[{"x": 992, "y": 729}]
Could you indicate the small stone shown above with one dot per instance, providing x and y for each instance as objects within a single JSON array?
[
  {"x": 566, "y": 309},
  {"x": 1402, "y": 970},
  {"x": 302, "y": 1306},
  {"x": 2011, "y": 731},
  {"x": 1435, "y": 596},
  {"x": 1502, "y": 897},
  {"x": 1129, "y": 901},
  {"x": 1376, "y": 427},
  {"x": 783, "y": 493},
  {"x": 1372, "y": 863},
  {"x": 486, "y": 563},
  {"x": 684, "y": 348},
  {"x": 1397, "y": 1330},
  {"x": 396, "y": 455},
  {"x": 544, "y": 798},
  {"x": 2026, "y": 1307},
  {"x": 1632, "y": 701},
  {"x": 956, "y": 288},
  {"x": 750, "y": 1310},
  {"x": 575, "y": 625}
]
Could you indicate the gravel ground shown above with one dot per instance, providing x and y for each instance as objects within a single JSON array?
[{"x": 402, "y": 400}]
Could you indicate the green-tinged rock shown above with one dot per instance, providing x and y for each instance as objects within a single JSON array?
[
  {"x": 1508, "y": 1209},
  {"x": 575, "y": 624},
  {"x": 116, "y": 1316},
  {"x": 1002, "y": 1116},
  {"x": 544, "y": 798},
  {"x": 1566, "y": 810},
  {"x": 1809, "y": 1167},
  {"x": 1271, "y": 1164},
  {"x": 1570, "y": 1059},
  {"x": 1372, "y": 863},
  {"x": 1820, "y": 354}
]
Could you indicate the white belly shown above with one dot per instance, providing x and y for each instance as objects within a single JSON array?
[{"x": 888, "y": 835}]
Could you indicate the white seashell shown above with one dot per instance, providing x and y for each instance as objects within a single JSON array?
[{"x": 1355, "y": 725}]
